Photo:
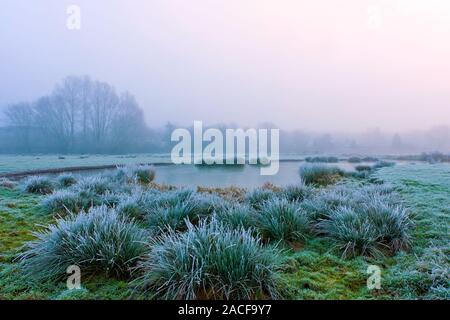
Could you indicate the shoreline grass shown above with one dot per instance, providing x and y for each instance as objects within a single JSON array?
[{"x": 312, "y": 268}]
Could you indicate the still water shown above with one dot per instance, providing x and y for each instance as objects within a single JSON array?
[{"x": 222, "y": 176}]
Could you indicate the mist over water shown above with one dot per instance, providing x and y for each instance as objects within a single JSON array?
[{"x": 354, "y": 76}]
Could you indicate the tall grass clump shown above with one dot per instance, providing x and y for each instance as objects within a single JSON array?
[
  {"x": 210, "y": 261},
  {"x": 281, "y": 220},
  {"x": 66, "y": 180},
  {"x": 320, "y": 175},
  {"x": 172, "y": 198},
  {"x": 38, "y": 185},
  {"x": 392, "y": 222},
  {"x": 257, "y": 197},
  {"x": 237, "y": 216},
  {"x": 297, "y": 193},
  {"x": 99, "y": 242},
  {"x": 373, "y": 229},
  {"x": 170, "y": 210},
  {"x": 352, "y": 233},
  {"x": 163, "y": 219},
  {"x": 134, "y": 206},
  {"x": 207, "y": 204},
  {"x": 143, "y": 174},
  {"x": 88, "y": 193},
  {"x": 323, "y": 203},
  {"x": 96, "y": 185},
  {"x": 63, "y": 202}
]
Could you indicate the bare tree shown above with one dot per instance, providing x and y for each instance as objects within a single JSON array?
[
  {"x": 128, "y": 127},
  {"x": 103, "y": 109},
  {"x": 80, "y": 115},
  {"x": 21, "y": 116},
  {"x": 53, "y": 121}
]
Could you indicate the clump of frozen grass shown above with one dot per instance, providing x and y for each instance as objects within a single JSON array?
[
  {"x": 281, "y": 220},
  {"x": 320, "y": 175},
  {"x": 257, "y": 197},
  {"x": 95, "y": 185},
  {"x": 324, "y": 202},
  {"x": 370, "y": 229},
  {"x": 204, "y": 204},
  {"x": 321, "y": 206},
  {"x": 368, "y": 194},
  {"x": 210, "y": 261},
  {"x": 138, "y": 203},
  {"x": 38, "y": 185},
  {"x": 392, "y": 222},
  {"x": 163, "y": 219},
  {"x": 143, "y": 174},
  {"x": 63, "y": 202},
  {"x": 66, "y": 180},
  {"x": 132, "y": 206},
  {"x": 315, "y": 209},
  {"x": 207, "y": 204},
  {"x": 297, "y": 193},
  {"x": 237, "y": 216},
  {"x": 171, "y": 210},
  {"x": 352, "y": 232},
  {"x": 88, "y": 193},
  {"x": 173, "y": 198},
  {"x": 99, "y": 242}
]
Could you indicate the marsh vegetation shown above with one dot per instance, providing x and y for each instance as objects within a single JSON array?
[{"x": 163, "y": 242}]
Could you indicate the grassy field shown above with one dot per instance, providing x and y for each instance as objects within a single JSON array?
[
  {"x": 313, "y": 268},
  {"x": 18, "y": 163}
]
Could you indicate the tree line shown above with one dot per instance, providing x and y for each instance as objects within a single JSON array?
[{"x": 81, "y": 115}]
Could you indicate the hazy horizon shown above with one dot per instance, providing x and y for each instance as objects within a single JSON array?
[{"x": 333, "y": 67}]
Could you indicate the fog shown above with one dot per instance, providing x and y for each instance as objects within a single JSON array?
[{"x": 321, "y": 66}]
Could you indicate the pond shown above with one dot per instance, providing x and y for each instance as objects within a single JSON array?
[{"x": 246, "y": 176}]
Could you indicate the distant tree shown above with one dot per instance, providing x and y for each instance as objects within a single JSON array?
[
  {"x": 80, "y": 115},
  {"x": 104, "y": 107},
  {"x": 51, "y": 118},
  {"x": 128, "y": 128},
  {"x": 21, "y": 116}
]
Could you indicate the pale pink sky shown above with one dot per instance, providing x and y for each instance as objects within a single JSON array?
[{"x": 322, "y": 65}]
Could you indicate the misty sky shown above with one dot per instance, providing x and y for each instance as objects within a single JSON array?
[{"x": 316, "y": 65}]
